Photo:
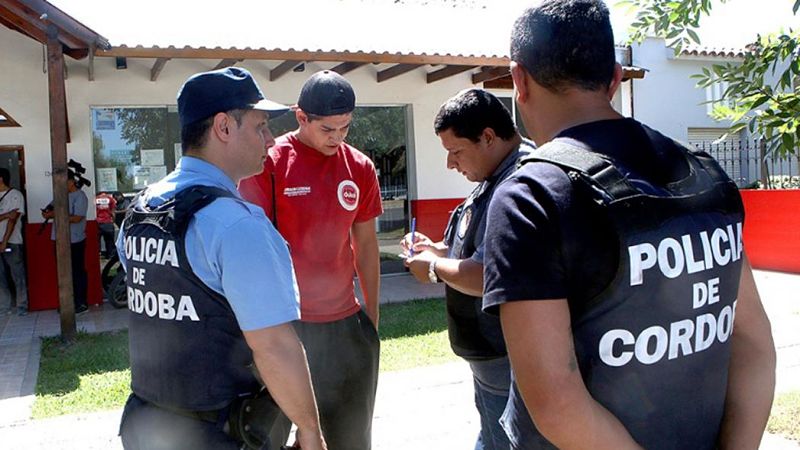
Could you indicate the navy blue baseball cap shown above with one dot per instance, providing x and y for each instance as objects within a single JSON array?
[
  {"x": 327, "y": 93},
  {"x": 207, "y": 93}
]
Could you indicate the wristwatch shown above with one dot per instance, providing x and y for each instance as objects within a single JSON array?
[{"x": 432, "y": 271}]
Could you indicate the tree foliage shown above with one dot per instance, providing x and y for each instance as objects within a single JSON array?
[
  {"x": 762, "y": 91},
  {"x": 143, "y": 127},
  {"x": 374, "y": 129}
]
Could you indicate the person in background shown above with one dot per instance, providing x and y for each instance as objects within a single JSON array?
[
  {"x": 482, "y": 144},
  {"x": 78, "y": 205},
  {"x": 614, "y": 257},
  {"x": 326, "y": 199},
  {"x": 12, "y": 258},
  {"x": 122, "y": 206},
  {"x": 105, "y": 208}
]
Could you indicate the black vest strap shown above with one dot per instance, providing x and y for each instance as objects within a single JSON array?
[
  {"x": 174, "y": 214},
  {"x": 577, "y": 160},
  {"x": 609, "y": 186}
]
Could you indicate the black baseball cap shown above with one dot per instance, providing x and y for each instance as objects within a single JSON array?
[
  {"x": 207, "y": 93},
  {"x": 327, "y": 93}
]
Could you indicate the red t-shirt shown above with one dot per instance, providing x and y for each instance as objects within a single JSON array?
[
  {"x": 105, "y": 205},
  {"x": 318, "y": 199}
]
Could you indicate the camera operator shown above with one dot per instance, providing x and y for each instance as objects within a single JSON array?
[{"x": 77, "y": 207}]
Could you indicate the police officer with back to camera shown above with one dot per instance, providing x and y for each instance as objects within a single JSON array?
[
  {"x": 614, "y": 256},
  {"x": 482, "y": 144},
  {"x": 210, "y": 285}
]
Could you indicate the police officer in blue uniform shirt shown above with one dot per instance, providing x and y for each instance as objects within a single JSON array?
[
  {"x": 614, "y": 256},
  {"x": 483, "y": 144},
  {"x": 210, "y": 283}
]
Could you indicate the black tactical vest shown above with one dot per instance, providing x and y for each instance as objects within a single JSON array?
[
  {"x": 653, "y": 347},
  {"x": 474, "y": 334},
  {"x": 186, "y": 348}
]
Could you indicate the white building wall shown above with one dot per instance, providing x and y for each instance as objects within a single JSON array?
[
  {"x": 24, "y": 96},
  {"x": 667, "y": 99}
]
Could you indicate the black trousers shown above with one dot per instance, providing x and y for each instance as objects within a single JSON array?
[
  {"x": 343, "y": 361},
  {"x": 106, "y": 235},
  {"x": 79, "y": 277},
  {"x": 145, "y": 426}
]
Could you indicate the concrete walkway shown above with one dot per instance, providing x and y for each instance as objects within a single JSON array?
[{"x": 422, "y": 408}]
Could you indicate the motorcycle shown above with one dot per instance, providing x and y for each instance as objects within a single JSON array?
[{"x": 113, "y": 280}]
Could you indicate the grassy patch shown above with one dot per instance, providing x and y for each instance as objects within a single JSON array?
[
  {"x": 785, "y": 417},
  {"x": 93, "y": 373},
  {"x": 414, "y": 334}
]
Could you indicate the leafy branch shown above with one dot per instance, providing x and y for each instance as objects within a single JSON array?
[{"x": 762, "y": 90}]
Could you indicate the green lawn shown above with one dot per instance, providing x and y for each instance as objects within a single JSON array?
[
  {"x": 93, "y": 373},
  {"x": 414, "y": 334}
]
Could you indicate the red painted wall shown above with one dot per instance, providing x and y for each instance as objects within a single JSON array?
[
  {"x": 771, "y": 237},
  {"x": 772, "y": 221},
  {"x": 432, "y": 215},
  {"x": 41, "y": 264}
]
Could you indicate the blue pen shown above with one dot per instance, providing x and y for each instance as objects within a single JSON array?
[{"x": 413, "y": 236}]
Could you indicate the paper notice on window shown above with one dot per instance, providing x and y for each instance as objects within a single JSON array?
[
  {"x": 104, "y": 119},
  {"x": 153, "y": 157},
  {"x": 106, "y": 179}
]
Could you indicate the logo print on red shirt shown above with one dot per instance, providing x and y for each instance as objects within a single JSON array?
[{"x": 348, "y": 195}]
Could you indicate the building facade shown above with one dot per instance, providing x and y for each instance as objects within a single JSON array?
[{"x": 123, "y": 127}]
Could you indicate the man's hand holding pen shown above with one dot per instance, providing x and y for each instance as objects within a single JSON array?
[{"x": 418, "y": 252}]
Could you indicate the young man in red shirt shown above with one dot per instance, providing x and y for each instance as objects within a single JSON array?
[
  {"x": 323, "y": 197},
  {"x": 105, "y": 207}
]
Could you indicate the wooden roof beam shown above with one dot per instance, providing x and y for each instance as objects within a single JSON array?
[
  {"x": 157, "y": 67},
  {"x": 632, "y": 72},
  {"x": 282, "y": 55},
  {"x": 226, "y": 63},
  {"x": 13, "y": 16},
  {"x": 28, "y": 18},
  {"x": 505, "y": 82},
  {"x": 396, "y": 70},
  {"x": 446, "y": 72},
  {"x": 283, "y": 68},
  {"x": 347, "y": 66},
  {"x": 91, "y": 63},
  {"x": 7, "y": 120},
  {"x": 490, "y": 73},
  {"x": 83, "y": 35}
]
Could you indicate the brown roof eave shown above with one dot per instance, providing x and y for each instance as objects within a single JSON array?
[
  {"x": 32, "y": 18},
  {"x": 300, "y": 55}
]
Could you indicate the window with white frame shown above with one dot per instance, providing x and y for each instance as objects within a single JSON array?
[
  {"x": 714, "y": 96},
  {"x": 134, "y": 146}
]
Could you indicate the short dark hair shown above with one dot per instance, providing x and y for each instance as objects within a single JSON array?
[
  {"x": 313, "y": 117},
  {"x": 5, "y": 175},
  {"x": 470, "y": 112},
  {"x": 563, "y": 43},
  {"x": 195, "y": 134}
]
